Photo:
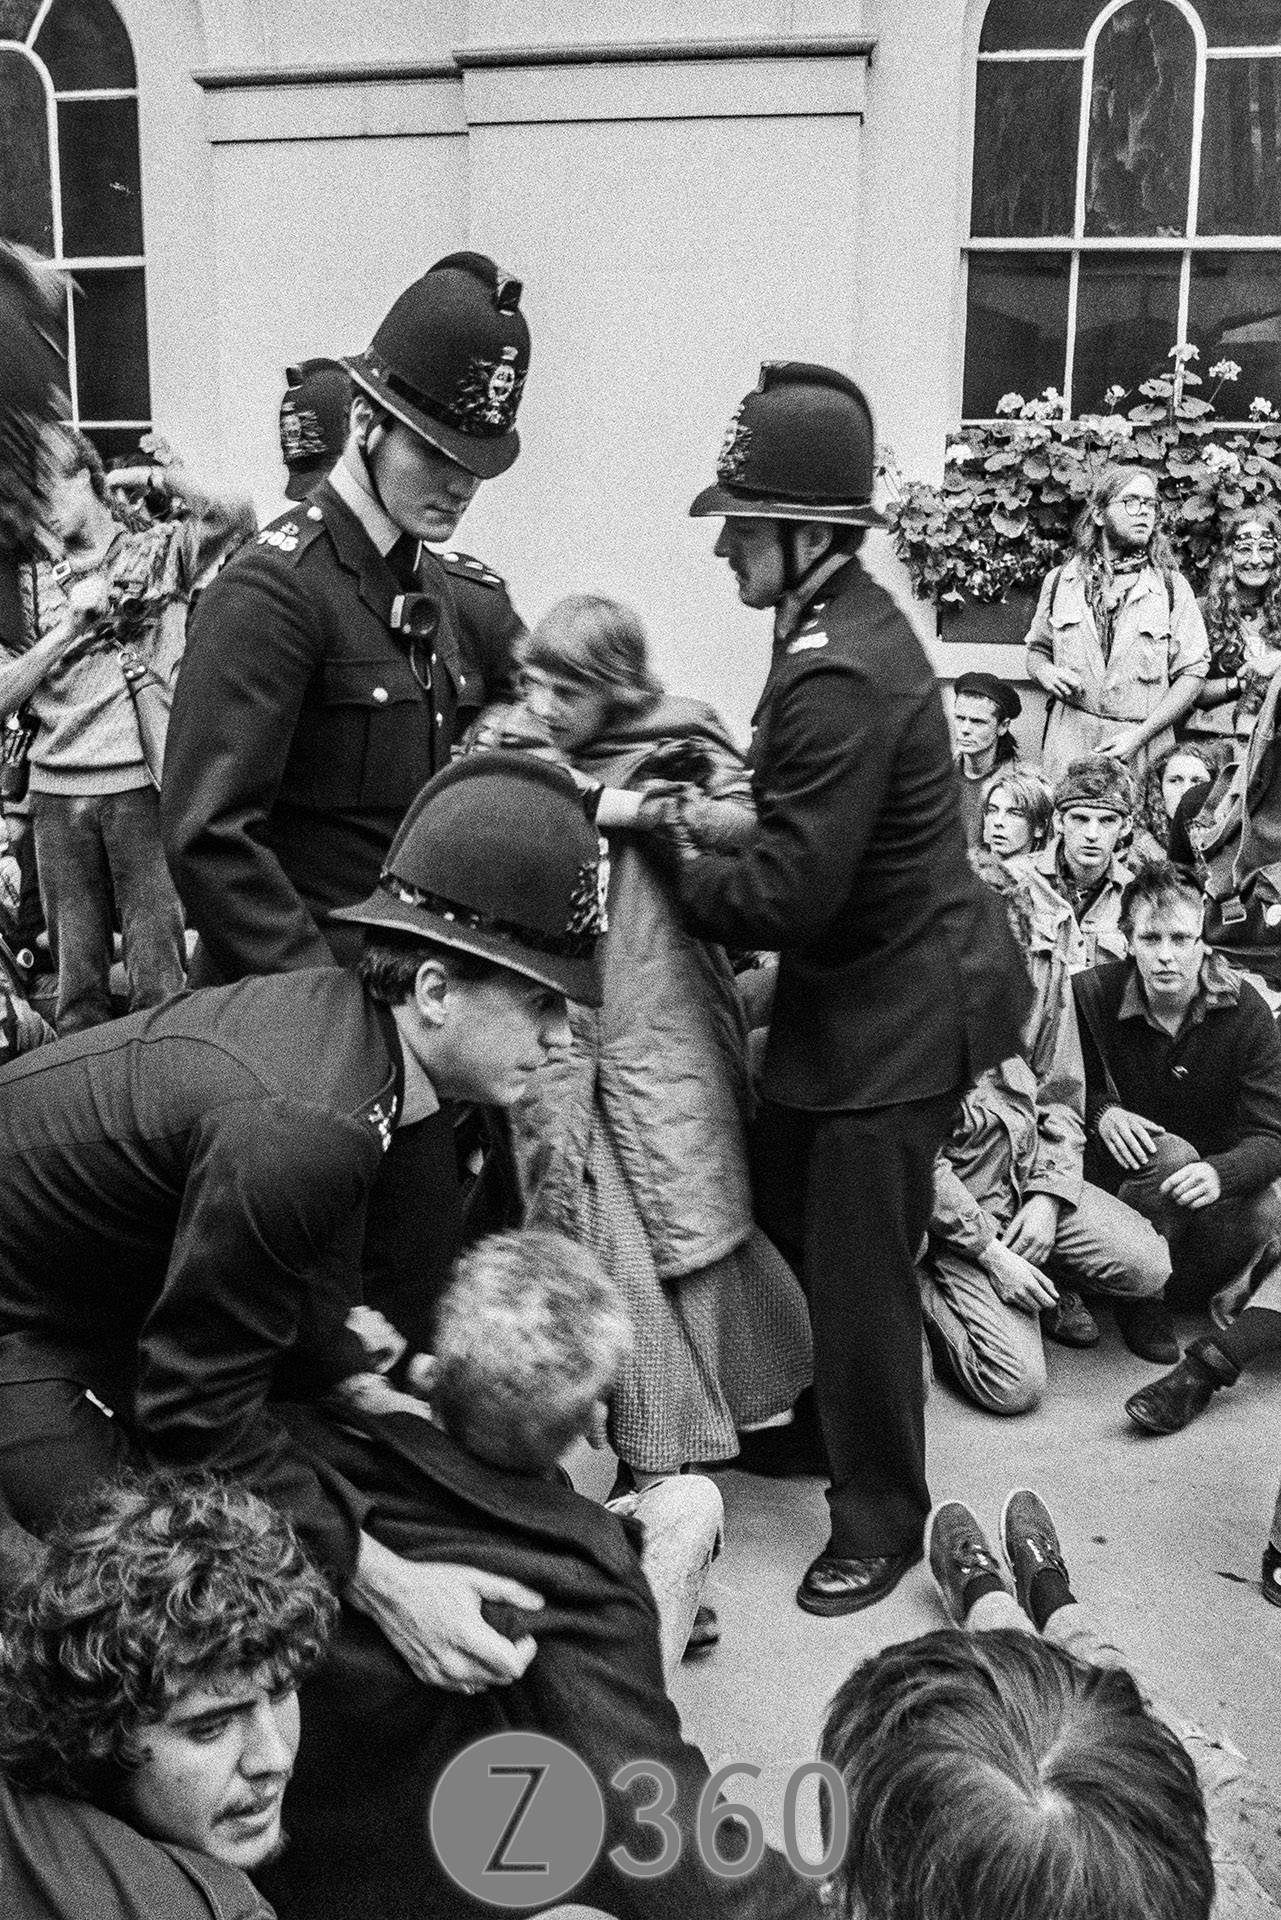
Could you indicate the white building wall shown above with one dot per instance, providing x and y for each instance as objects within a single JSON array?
[{"x": 675, "y": 222}]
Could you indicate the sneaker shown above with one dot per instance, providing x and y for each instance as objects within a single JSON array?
[
  {"x": 1030, "y": 1542},
  {"x": 1147, "y": 1329},
  {"x": 1070, "y": 1322},
  {"x": 958, "y": 1551}
]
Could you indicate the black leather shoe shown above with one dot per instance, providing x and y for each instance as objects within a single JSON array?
[
  {"x": 835, "y": 1585},
  {"x": 1272, "y": 1574},
  {"x": 1174, "y": 1401},
  {"x": 1148, "y": 1330},
  {"x": 958, "y": 1552},
  {"x": 1070, "y": 1322}
]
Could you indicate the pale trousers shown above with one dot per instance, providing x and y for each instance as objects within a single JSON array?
[
  {"x": 683, "y": 1517},
  {"x": 992, "y": 1351}
]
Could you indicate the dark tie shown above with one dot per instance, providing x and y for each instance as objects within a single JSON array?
[{"x": 403, "y": 561}]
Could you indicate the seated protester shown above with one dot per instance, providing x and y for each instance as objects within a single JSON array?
[
  {"x": 189, "y": 1189},
  {"x": 1093, "y": 804},
  {"x": 148, "y": 1705},
  {"x": 1183, "y": 1116},
  {"x": 1019, "y": 1767},
  {"x": 1018, "y": 812},
  {"x": 1011, "y": 1208},
  {"x": 530, "y": 1336},
  {"x": 982, "y": 710},
  {"x": 1272, "y": 1559},
  {"x": 1176, "y": 772}
]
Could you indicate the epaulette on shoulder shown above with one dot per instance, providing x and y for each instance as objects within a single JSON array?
[
  {"x": 464, "y": 566},
  {"x": 294, "y": 531}
]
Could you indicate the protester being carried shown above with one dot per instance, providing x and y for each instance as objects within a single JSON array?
[
  {"x": 1183, "y": 1117},
  {"x": 531, "y": 1333},
  {"x": 1242, "y": 612},
  {"x": 1117, "y": 640},
  {"x": 188, "y": 1191},
  {"x": 1015, "y": 1229},
  {"x": 1018, "y": 812},
  {"x": 636, "y": 1143},
  {"x": 149, "y": 1720},
  {"x": 983, "y": 709},
  {"x": 1093, "y": 803}
]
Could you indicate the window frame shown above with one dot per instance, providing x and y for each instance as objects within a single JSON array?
[
  {"x": 74, "y": 263},
  {"x": 1186, "y": 244}
]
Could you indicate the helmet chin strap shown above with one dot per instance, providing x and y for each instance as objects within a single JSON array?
[{"x": 375, "y": 425}]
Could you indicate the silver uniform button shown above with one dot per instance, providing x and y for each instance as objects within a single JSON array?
[
  {"x": 440, "y": 719},
  {"x": 314, "y": 513},
  {"x": 380, "y": 695}
]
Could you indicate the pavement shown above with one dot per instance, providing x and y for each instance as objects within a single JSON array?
[{"x": 1163, "y": 1538}]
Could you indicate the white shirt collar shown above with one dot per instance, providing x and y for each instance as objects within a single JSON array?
[{"x": 378, "y": 524}]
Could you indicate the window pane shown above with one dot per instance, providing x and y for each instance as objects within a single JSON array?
[
  {"x": 1240, "y": 23},
  {"x": 84, "y": 44},
  {"x": 26, "y": 205},
  {"x": 1234, "y": 313},
  {"x": 1241, "y": 148},
  {"x": 1016, "y": 327},
  {"x": 1037, "y": 23},
  {"x": 1127, "y": 309},
  {"x": 101, "y": 193},
  {"x": 118, "y": 443},
  {"x": 111, "y": 344},
  {"x": 1140, "y": 151},
  {"x": 16, "y": 18},
  {"x": 1026, "y": 119}
]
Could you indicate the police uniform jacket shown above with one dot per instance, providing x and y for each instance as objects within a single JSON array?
[
  {"x": 303, "y": 727},
  {"x": 898, "y": 979},
  {"x": 186, "y": 1195}
]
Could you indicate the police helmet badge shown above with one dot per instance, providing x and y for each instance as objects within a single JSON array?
[
  {"x": 732, "y": 458},
  {"x": 488, "y": 395},
  {"x": 300, "y": 434}
]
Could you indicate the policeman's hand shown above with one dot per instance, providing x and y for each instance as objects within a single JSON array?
[
  {"x": 431, "y": 1614},
  {"x": 1128, "y": 1137},
  {"x": 1016, "y": 1281},
  {"x": 371, "y": 1393},
  {"x": 382, "y": 1343},
  {"x": 1032, "y": 1230},
  {"x": 1196, "y": 1186},
  {"x": 1059, "y": 681}
]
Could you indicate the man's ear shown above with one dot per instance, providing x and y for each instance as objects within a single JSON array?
[
  {"x": 597, "y": 1434},
  {"x": 813, "y": 541},
  {"x": 431, "y": 993}
]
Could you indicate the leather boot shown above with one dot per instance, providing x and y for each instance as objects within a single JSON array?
[{"x": 1175, "y": 1400}]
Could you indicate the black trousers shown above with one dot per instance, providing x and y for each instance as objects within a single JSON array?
[{"x": 846, "y": 1197}]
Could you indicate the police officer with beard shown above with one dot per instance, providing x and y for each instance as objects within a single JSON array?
[
  {"x": 325, "y": 682},
  {"x": 898, "y": 980}
]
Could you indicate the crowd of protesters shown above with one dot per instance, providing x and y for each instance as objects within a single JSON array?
[{"x": 549, "y": 1072}]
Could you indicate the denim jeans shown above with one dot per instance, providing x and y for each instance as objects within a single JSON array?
[{"x": 99, "y": 855}]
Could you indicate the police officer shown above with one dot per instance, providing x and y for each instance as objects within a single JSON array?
[
  {"x": 325, "y": 678},
  {"x": 188, "y": 1185},
  {"x": 313, "y": 433},
  {"x": 898, "y": 980}
]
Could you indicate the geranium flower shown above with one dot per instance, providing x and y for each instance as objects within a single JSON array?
[
  {"x": 1114, "y": 396},
  {"x": 1225, "y": 370},
  {"x": 959, "y": 452},
  {"x": 1010, "y": 403},
  {"x": 1184, "y": 352},
  {"x": 1261, "y": 409},
  {"x": 1219, "y": 460}
]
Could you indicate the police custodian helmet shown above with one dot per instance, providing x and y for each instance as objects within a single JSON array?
[
  {"x": 497, "y": 857},
  {"x": 450, "y": 360},
  {"x": 799, "y": 447}
]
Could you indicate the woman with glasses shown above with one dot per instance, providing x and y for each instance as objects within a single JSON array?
[
  {"x": 1117, "y": 642},
  {"x": 1242, "y": 610}
]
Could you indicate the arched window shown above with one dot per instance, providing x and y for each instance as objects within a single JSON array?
[
  {"x": 1126, "y": 196},
  {"x": 69, "y": 187}
]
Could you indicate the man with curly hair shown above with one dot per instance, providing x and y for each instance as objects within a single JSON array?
[{"x": 148, "y": 1704}]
